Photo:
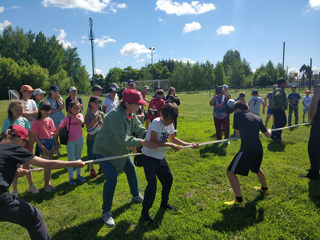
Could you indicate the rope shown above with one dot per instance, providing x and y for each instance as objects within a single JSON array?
[{"x": 169, "y": 149}]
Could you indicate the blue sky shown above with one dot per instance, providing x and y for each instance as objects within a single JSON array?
[{"x": 182, "y": 30}]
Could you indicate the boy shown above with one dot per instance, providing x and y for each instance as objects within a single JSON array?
[
  {"x": 269, "y": 111},
  {"x": 155, "y": 106},
  {"x": 293, "y": 99},
  {"x": 154, "y": 162},
  {"x": 93, "y": 120},
  {"x": 242, "y": 96},
  {"x": 111, "y": 101},
  {"x": 255, "y": 103},
  {"x": 247, "y": 126},
  {"x": 97, "y": 91},
  {"x": 306, "y": 100}
]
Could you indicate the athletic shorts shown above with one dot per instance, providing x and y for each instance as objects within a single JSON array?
[
  {"x": 269, "y": 111},
  {"x": 245, "y": 161},
  {"x": 48, "y": 144},
  {"x": 305, "y": 111}
]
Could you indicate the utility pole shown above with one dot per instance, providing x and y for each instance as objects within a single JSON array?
[
  {"x": 91, "y": 38},
  {"x": 310, "y": 74},
  {"x": 152, "y": 49},
  {"x": 284, "y": 48}
]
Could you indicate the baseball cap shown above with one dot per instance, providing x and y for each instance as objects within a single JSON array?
[
  {"x": 281, "y": 80},
  {"x": 38, "y": 91},
  {"x": 95, "y": 99},
  {"x": 308, "y": 91},
  {"x": 112, "y": 89},
  {"x": 131, "y": 81},
  {"x": 96, "y": 88},
  {"x": 54, "y": 88},
  {"x": 132, "y": 96},
  {"x": 114, "y": 85},
  {"x": 157, "y": 87},
  {"x": 72, "y": 89},
  {"x": 225, "y": 86},
  {"x": 145, "y": 87},
  {"x": 19, "y": 131},
  {"x": 26, "y": 88},
  {"x": 254, "y": 92}
]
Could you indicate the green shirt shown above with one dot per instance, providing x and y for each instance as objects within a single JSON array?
[
  {"x": 115, "y": 136},
  {"x": 279, "y": 99},
  {"x": 89, "y": 118}
]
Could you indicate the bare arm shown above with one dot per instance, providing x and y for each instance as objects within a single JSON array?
[
  {"x": 55, "y": 164},
  {"x": 314, "y": 103},
  {"x": 78, "y": 120}
]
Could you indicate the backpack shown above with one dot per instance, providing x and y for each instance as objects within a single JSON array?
[{"x": 64, "y": 134}]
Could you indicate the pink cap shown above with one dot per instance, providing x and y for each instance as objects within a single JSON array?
[
  {"x": 19, "y": 131},
  {"x": 132, "y": 96}
]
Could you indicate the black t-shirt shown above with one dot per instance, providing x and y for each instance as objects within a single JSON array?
[
  {"x": 68, "y": 100},
  {"x": 11, "y": 155},
  {"x": 249, "y": 126}
]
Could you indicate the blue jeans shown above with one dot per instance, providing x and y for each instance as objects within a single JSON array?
[
  {"x": 74, "y": 150},
  {"x": 111, "y": 175}
]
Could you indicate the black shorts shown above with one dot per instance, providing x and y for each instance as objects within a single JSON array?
[{"x": 245, "y": 161}]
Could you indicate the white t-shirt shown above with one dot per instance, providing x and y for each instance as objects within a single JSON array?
[
  {"x": 30, "y": 106},
  {"x": 110, "y": 104},
  {"x": 255, "y": 103},
  {"x": 163, "y": 133},
  {"x": 306, "y": 100}
]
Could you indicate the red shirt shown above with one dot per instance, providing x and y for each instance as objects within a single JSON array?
[{"x": 155, "y": 107}]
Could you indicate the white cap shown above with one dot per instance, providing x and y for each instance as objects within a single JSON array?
[
  {"x": 72, "y": 88},
  {"x": 225, "y": 86},
  {"x": 38, "y": 91}
]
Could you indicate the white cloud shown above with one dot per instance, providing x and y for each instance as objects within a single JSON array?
[
  {"x": 160, "y": 19},
  {"x": 121, "y": 5},
  {"x": 102, "y": 41},
  {"x": 184, "y": 8},
  {"x": 189, "y": 27},
  {"x": 61, "y": 39},
  {"x": 140, "y": 60},
  {"x": 184, "y": 60},
  {"x": 5, "y": 24},
  {"x": 98, "y": 71},
  {"x": 89, "y": 5},
  {"x": 315, "y": 4},
  {"x": 1, "y": 9},
  {"x": 225, "y": 29},
  {"x": 84, "y": 38},
  {"x": 134, "y": 49}
]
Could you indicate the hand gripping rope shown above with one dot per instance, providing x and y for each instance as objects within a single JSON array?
[{"x": 169, "y": 149}]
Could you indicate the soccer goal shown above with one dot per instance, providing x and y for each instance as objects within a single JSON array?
[
  {"x": 163, "y": 83},
  {"x": 13, "y": 94}
]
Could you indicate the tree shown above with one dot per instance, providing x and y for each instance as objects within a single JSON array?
[
  {"x": 114, "y": 76},
  {"x": 81, "y": 80},
  {"x": 220, "y": 75},
  {"x": 237, "y": 77}
]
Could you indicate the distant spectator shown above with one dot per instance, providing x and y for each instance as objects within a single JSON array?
[
  {"x": 172, "y": 91},
  {"x": 30, "y": 111},
  {"x": 121, "y": 92},
  {"x": 269, "y": 112},
  {"x": 241, "y": 97},
  {"x": 72, "y": 96},
  {"x": 155, "y": 106},
  {"x": 293, "y": 99},
  {"x": 140, "y": 112},
  {"x": 97, "y": 91},
  {"x": 57, "y": 105},
  {"x": 144, "y": 91},
  {"x": 255, "y": 103},
  {"x": 38, "y": 96},
  {"x": 114, "y": 85},
  {"x": 110, "y": 102},
  {"x": 306, "y": 100}
]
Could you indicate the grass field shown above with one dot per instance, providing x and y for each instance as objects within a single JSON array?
[{"x": 199, "y": 189}]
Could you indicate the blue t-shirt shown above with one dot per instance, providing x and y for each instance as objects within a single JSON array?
[{"x": 294, "y": 98}]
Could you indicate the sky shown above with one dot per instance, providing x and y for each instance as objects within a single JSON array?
[{"x": 194, "y": 31}]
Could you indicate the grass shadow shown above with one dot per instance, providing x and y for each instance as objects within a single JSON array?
[
  {"x": 314, "y": 191},
  {"x": 56, "y": 174},
  {"x": 217, "y": 149},
  {"x": 276, "y": 146},
  {"x": 236, "y": 219}
]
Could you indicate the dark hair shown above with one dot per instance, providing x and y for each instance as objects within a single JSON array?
[
  {"x": 160, "y": 92},
  {"x": 123, "y": 104},
  {"x": 12, "y": 104},
  {"x": 171, "y": 97},
  {"x": 74, "y": 102},
  {"x": 6, "y": 136},
  {"x": 241, "y": 105},
  {"x": 43, "y": 105},
  {"x": 170, "y": 110},
  {"x": 170, "y": 91}
]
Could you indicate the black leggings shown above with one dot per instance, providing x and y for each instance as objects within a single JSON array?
[{"x": 314, "y": 150}]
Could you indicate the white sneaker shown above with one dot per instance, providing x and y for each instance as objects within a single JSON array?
[
  {"x": 33, "y": 190},
  {"x": 137, "y": 199},
  {"x": 108, "y": 220},
  {"x": 15, "y": 193}
]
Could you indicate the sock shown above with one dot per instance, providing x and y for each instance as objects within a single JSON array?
[
  {"x": 239, "y": 199},
  {"x": 264, "y": 188}
]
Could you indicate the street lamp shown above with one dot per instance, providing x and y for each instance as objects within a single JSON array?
[{"x": 152, "y": 49}]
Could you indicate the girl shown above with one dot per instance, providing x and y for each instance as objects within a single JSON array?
[
  {"x": 38, "y": 96},
  {"x": 13, "y": 209},
  {"x": 42, "y": 132},
  {"x": 75, "y": 140},
  {"x": 57, "y": 105},
  {"x": 15, "y": 117}
]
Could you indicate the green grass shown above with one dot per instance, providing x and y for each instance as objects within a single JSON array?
[{"x": 199, "y": 189}]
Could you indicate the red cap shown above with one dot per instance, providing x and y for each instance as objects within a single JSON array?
[
  {"x": 19, "y": 131},
  {"x": 307, "y": 91},
  {"x": 132, "y": 96}
]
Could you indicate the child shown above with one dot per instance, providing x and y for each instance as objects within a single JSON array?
[
  {"x": 93, "y": 120},
  {"x": 15, "y": 117},
  {"x": 242, "y": 96},
  {"x": 293, "y": 99},
  {"x": 255, "y": 103},
  {"x": 30, "y": 110},
  {"x": 154, "y": 162},
  {"x": 38, "y": 96},
  {"x": 269, "y": 111},
  {"x": 97, "y": 91},
  {"x": 42, "y": 131},
  {"x": 306, "y": 100},
  {"x": 155, "y": 106},
  {"x": 247, "y": 126},
  {"x": 75, "y": 140},
  {"x": 16, "y": 210},
  {"x": 111, "y": 101}
]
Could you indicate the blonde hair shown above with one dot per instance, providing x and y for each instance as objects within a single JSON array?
[{"x": 12, "y": 104}]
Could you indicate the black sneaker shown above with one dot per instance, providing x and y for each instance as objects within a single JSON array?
[
  {"x": 169, "y": 207},
  {"x": 146, "y": 217}
]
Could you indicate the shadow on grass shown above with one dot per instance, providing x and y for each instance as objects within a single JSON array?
[
  {"x": 314, "y": 192},
  {"x": 237, "y": 219},
  {"x": 57, "y": 174},
  {"x": 217, "y": 149},
  {"x": 276, "y": 146}
]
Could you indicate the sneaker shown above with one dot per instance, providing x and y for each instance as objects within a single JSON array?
[
  {"x": 72, "y": 181},
  {"x": 52, "y": 187},
  {"x": 81, "y": 179},
  {"x": 108, "y": 220},
  {"x": 47, "y": 189},
  {"x": 236, "y": 204},
  {"x": 137, "y": 199},
  {"x": 146, "y": 217},
  {"x": 33, "y": 190},
  {"x": 15, "y": 193},
  {"x": 265, "y": 192},
  {"x": 100, "y": 171},
  {"x": 169, "y": 207},
  {"x": 58, "y": 154},
  {"x": 93, "y": 174}
]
